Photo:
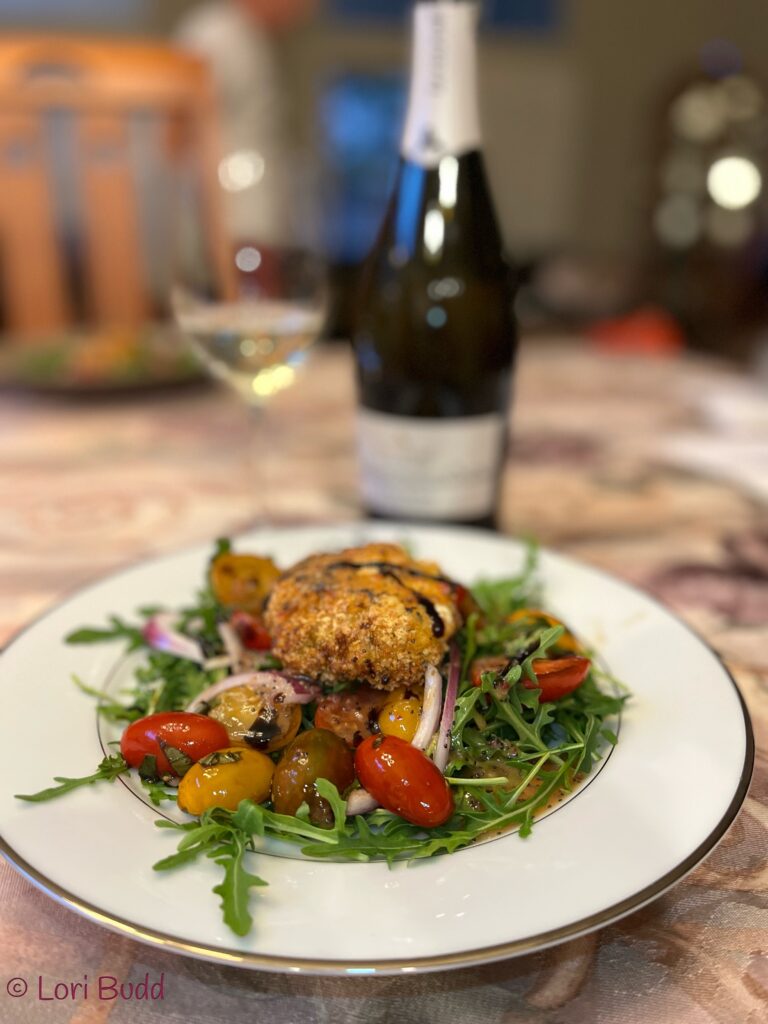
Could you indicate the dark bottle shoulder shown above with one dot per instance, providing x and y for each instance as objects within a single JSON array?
[{"x": 440, "y": 220}]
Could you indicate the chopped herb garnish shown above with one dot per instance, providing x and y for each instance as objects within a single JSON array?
[
  {"x": 148, "y": 769},
  {"x": 220, "y": 757},
  {"x": 178, "y": 760}
]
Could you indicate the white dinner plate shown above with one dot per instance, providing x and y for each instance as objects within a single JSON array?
[{"x": 656, "y": 807}]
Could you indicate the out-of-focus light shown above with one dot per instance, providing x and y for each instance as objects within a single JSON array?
[
  {"x": 241, "y": 169},
  {"x": 734, "y": 182},
  {"x": 448, "y": 174},
  {"x": 444, "y": 288},
  {"x": 677, "y": 221},
  {"x": 272, "y": 380},
  {"x": 699, "y": 114},
  {"x": 265, "y": 346},
  {"x": 743, "y": 97},
  {"x": 729, "y": 228},
  {"x": 248, "y": 259},
  {"x": 434, "y": 232},
  {"x": 248, "y": 348},
  {"x": 437, "y": 317}
]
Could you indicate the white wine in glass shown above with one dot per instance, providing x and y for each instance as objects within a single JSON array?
[
  {"x": 250, "y": 306},
  {"x": 254, "y": 347}
]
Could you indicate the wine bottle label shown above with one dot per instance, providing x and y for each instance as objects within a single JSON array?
[
  {"x": 442, "y": 118},
  {"x": 430, "y": 468}
]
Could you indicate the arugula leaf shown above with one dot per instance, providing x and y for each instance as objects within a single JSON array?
[
  {"x": 221, "y": 546},
  {"x": 499, "y": 598},
  {"x": 235, "y": 888},
  {"x": 547, "y": 638},
  {"x": 112, "y": 710},
  {"x": 108, "y": 770},
  {"x": 168, "y": 683},
  {"x": 218, "y": 836},
  {"x": 157, "y": 792},
  {"x": 329, "y": 792},
  {"x": 119, "y": 630}
]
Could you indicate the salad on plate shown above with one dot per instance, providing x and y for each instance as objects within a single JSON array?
[{"x": 359, "y": 705}]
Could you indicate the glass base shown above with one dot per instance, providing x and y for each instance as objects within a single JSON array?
[{"x": 487, "y": 522}]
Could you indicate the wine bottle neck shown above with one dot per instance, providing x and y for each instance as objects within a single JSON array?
[{"x": 443, "y": 117}]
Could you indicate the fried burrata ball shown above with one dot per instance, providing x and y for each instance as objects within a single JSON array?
[{"x": 369, "y": 613}]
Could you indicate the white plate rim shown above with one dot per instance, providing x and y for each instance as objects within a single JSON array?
[{"x": 395, "y": 966}]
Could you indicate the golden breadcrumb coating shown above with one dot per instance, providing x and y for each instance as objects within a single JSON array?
[{"x": 370, "y": 613}]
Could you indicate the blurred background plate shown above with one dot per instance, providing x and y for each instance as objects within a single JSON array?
[{"x": 91, "y": 362}]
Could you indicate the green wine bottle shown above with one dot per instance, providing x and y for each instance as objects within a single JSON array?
[{"x": 435, "y": 335}]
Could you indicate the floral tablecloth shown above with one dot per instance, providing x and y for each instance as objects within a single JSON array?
[{"x": 594, "y": 470}]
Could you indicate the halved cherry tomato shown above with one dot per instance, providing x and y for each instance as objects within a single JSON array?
[
  {"x": 250, "y": 631},
  {"x": 352, "y": 714},
  {"x": 194, "y": 735},
  {"x": 404, "y": 780},
  {"x": 558, "y": 676},
  {"x": 242, "y": 581},
  {"x": 255, "y": 718}
]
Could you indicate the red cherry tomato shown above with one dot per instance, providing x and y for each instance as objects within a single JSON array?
[
  {"x": 404, "y": 780},
  {"x": 464, "y": 600},
  {"x": 489, "y": 663},
  {"x": 194, "y": 735},
  {"x": 558, "y": 676},
  {"x": 251, "y": 632}
]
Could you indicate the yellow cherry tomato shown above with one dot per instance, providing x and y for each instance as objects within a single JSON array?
[
  {"x": 535, "y": 618},
  {"x": 400, "y": 718},
  {"x": 255, "y": 719},
  {"x": 242, "y": 581},
  {"x": 224, "y": 779}
]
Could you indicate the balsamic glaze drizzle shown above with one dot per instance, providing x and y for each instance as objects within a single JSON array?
[{"x": 388, "y": 569}]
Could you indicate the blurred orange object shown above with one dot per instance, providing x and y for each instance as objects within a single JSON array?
[
  {"x": 647, "y": 331},
  {"x": 69, "y": 109}
]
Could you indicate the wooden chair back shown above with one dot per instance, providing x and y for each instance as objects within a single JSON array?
[{"x": 76, "y": 196}]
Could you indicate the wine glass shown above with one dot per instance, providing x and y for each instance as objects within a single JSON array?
[{"x": 250, "y": 292}]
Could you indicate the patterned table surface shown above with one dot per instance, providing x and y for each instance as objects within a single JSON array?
[{"x": 88, "y": 486}]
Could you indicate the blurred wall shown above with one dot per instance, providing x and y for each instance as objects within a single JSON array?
[
  {"x": 569, "y": 118},
  {"x": 630, "y": 55}
]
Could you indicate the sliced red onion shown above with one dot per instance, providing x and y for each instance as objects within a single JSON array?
[
  {"x": 430, "y": 711},
  {"x": 159, "y": 633},
  {"x": 443, "y": 748},
  {"x": 290, "y": 688},
  {"x": 360, "y": 801},
  {"x": 231, "y": 641}
]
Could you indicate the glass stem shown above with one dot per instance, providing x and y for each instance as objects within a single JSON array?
[{"x": 259, "y": 463}]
